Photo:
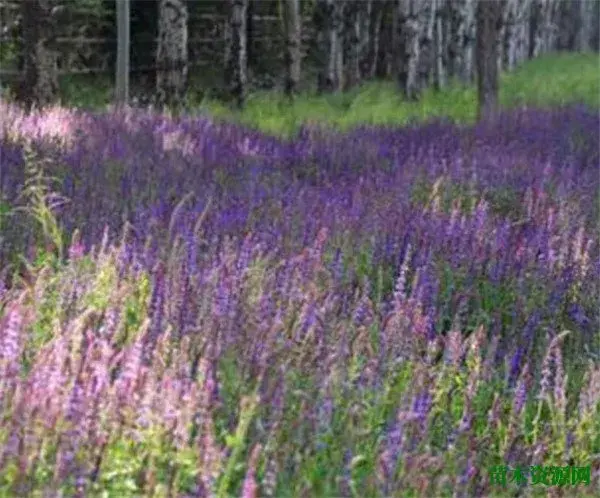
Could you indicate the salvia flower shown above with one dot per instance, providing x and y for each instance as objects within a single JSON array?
[
  {"x": 400, "y": 287},
  {"x": 453, "y": 350},
  {"x": 250, "y": 486},
  {"x": 10, "y": 342},
  {"x": 521, "y": 391},
  {"x": 590, "y": 394}
]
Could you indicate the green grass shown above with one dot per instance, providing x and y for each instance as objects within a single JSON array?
[{"x": 551, "y": 80}]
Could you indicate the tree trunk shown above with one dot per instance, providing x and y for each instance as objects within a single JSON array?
[
  {"x": 292, "y": 35},
  {"x": 123, "y": 47},
  {"x": 366, "y": 40},
  {"x": 595, "y": 42},
  {"x": 543, "y": 27},
  {"x": 387, "y": 43},
  {"x": 236, "y": 65},
  {"x": 426, "y": 15},
  {"x": 510, "y": 36},
  {"x": 462, "y": 34},
  {"x": 409, "y": 43},
  {"x": 172, "y": 53},
  {"x": 352, "y": 47},
  {"x": 489, "y": 18},
  {"x": 331, "y": 26},
  {"x": 339, "y": 12},
  {"x": 522, "y": 27},
  {"x": 372, "y": 53},
  {"x": 502, "y": 34},
  {"x": 568, "y": 21},
  {"x": 469, "y": 40},
  {"x": 40, "y": 86},
  {"x": 328, "y": 33},
  {"x": 586, "y": 30},
  {"x": 440, "y": 44},
  {"x": 250, "y": 34}
]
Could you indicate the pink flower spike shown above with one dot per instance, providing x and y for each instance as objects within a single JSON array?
[{"x": 250, "y": 488}]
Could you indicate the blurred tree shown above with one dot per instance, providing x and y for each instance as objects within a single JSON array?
[
  {"x": 489, "y": 22},
  {"x": 417, "y": 42},
  {"x": 236, "y": 59},
  {"x": 123, "y": 44},
  {"x": 40, "y": 85},
  {"x": 589, "y": 16},
  {"x": 329, "y": 20},
  {"x": 408, "y": 24},
  {"x": 370, "y": 55},
  {"x": 292, "y": 28},
  {"x": 172, "y": 52}
]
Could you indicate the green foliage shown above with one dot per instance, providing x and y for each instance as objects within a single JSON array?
[
  {"x": 41, "y": 201},
  {"x": 554, "y": 79}
]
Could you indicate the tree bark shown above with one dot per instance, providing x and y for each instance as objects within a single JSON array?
[
  {"x": 501, "y": 55},
  {"x": 543, "y": 27},
  {"x": 372, "y": 53},
  {"x": 172, "y": 53},
  {"x": 330, "y": 28},
  {"x": 292, "y": 34},
  {"x": 236, "y": 65},
  {"x": 468, "y": 69},
  {"x": 462, "y": 39},
  {"x": 250, "y": 55},
  {"x": 426, "y": 15},
  {"x": 407, "y": 32},
  {"x": 586, "y": 30},
  {"x": 440, "y": 44},
  {"x": 339, "y": 12},
  {"x": 489, "y": 18},
  {"x": 522, "y": 26},
  {"x": 352, "y": 48},
  {"x": 40, "y": 85},
  {"x": 123, "y": 47}
]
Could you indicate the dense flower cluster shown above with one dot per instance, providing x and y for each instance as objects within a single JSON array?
[{"x": 338, "y": 314}]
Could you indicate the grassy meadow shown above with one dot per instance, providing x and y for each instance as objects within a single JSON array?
[{"x": 347, "y": 296}]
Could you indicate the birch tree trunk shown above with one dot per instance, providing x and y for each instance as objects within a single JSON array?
[
  {"x": 468, "y": 69},
  {"x": 338, "y": 22},
  {"x": 543, "y": 27},
  {"x": 172, "y": 52},
  {"x": 462, "y": 39},
  {"x": 352, "y": 48},
  {"x": 503, "y": 33},
  {"x": 489, "y": 17},
  {"x": 551, "y": 24},
  {"x": 40, "y": 85},
  {"x": 408, "y": 23},
  {"x": 123, "y": 46},
  {"x": 510, "y": 38},
  {"x": 568, "y": 23},
  {"x": 521, "y": 33},
  {"x": 330, "y": 27},
  {"x": 426, "y": 16},
  {"x": 440, "y": 43},
  {"x": 236, "y": 65},
  {"x": 292, "y": 34},
  {"x": 586, "y": 30}
]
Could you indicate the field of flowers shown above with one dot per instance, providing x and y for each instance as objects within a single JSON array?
[{"x": 190, "y": 308}]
